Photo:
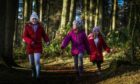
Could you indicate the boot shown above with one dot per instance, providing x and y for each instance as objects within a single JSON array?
[
  {"x": 33, "y": 71},
  {"x": 81, "y": 70}
]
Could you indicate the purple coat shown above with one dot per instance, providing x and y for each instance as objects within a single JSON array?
[{"x": 79, "y": 42}]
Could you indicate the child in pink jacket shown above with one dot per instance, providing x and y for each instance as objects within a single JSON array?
[{"x": 79, "y": 43}]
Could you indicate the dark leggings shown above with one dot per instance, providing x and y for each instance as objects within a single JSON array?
[{"x": 98, "y": 63}]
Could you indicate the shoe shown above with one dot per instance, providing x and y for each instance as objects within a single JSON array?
[
  {"x": 99, "y": 73},
  {"x": 78, "y": 78},
  {"x": 80, "y": 74},
  {"x": 38, "y": 78}
]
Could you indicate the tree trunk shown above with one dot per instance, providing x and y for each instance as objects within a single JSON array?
[
  {"x": 47, "y": 15},
  {"x": 91, "y": 14},
  {"x": 11, "y": 7},
  {"x": 114, "y": 15},
  {"x": 16, "y": 33},
  {"x": 71, "y": 11},
  {"x": 129, "y": 17},
  {"x": 62, "y": 26},
  {"x": 100, "y": 20},
  {"x": 86, "y": 17},
  {"x": 97, "y": 13},
  {"x": 36, "y": 6},
  {"x": 25, "y": 8},
  {"x": 41, "y": 10},
  {"x": 29, "y": 8},
  {"x": 2, "y": 27},
  {"x": 133, "y": 23}
]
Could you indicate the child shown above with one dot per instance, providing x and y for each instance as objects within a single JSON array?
[
  {"x": 96, "y": 43},
  {"x": 32, "y": 36},
  {"x": 80, "y": 44}
]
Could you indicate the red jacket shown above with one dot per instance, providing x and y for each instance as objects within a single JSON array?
[
  {"x": 29, "y": 37},
  {"x": 96, "y": 52}
]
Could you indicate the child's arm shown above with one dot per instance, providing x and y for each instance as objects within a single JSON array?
[
  {"x": 105, "y": 46},
  {"x": 25, "y": 36},
  {"x": 86, "y": 43},
  {"x": 45, "y": 37},
  {"x": 66, "y": 41}
]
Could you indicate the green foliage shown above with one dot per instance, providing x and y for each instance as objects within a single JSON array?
[
  {"x": 54, "y": 49},
  {"x": 118, "y": 38},
  {"x": 127, "y": 48},
  {"x": 20, "y": 54}
]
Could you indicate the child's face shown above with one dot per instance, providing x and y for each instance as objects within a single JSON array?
[
  {"x": 34, "y": 20},
  {"x": 74, "y": 26},
  {"x": 96, "y": 32}
]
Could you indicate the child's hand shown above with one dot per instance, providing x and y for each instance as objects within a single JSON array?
[
  {"x": 33, "y": 43},
  {"x": 109, "y": 53},
  {"x": 48, "y": 43},
  {"x": 104, "y": 53},
  {"x": 113, "y": 50},
  {"x": 62, "y": 51},
  {"x": 62, "y": 47}
]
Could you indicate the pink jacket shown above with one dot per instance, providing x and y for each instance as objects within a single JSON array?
[{"x": 79, "y": 42}]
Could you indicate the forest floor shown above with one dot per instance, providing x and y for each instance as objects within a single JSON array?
[{"x": 60, "y": 71}]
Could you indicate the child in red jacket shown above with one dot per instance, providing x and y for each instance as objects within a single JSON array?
[
  {"x": 32, "y": 36},
  {"x": 97, "y": 44}
]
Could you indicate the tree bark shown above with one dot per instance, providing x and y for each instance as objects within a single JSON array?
[
  {"x": 62, "y": 26},
  {"x": 29, "y": 8},
  {"x": 10, "y": 15},
  {"x": 41, "y": 10},
  {"x": 86, "y": 17},
  {"x": 114, "y": 15},
  {"x": 91, "y": 14},
  {"x": 71, "y": 11},
  {"x": 2, "y": 27},
  {"x": 100, "y": 20},
  {"x": 25, "y": 8},
  {"x": 97, "y": 13}
]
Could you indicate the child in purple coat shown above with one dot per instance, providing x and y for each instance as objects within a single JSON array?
[{"x": 80, "y": 45}]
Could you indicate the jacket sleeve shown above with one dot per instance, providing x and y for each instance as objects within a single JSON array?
[
  {"x": 45, "y": 36},
  {"x": 105, "y": 46},
  {"x": 66, "y": 41},
  {"x": 86, "y": 43},
  {"x": 26, "y": 37}
]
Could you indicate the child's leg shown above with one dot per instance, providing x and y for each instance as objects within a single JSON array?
[
  {"x": 99, "y": 65},
  {"x": 76, "y": 63},
  {"x": 80, "y": 64},
  {"x": 32, "y": 64},
  {"x": 37, "y": 63}
]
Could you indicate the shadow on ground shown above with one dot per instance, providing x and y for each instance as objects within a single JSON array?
[{"x": 60, "y": 76}]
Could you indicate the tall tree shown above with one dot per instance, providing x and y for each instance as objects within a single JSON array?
[
  {"x": 63, "y": 19},
  {"x": 25, "y": 8},
  {"x": 2, "y": 27},
  {"x": 71, "y": 11},
  {"x": 114, "y": 14},
  {"x": 29, "y": 8},
  {"x": 47, "y": 12},
  {"x": 86, "y": 15},
  {"x": 16, "y": 34},
  {"x": 100, "y": 20},
  {"x": 41, "y": 10},
  {"x": 96, "y": 13},
  {"x": 36, "y": 6},
  {"x": 91, "y": 13},
  {"x": 8, "y": 28}
]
